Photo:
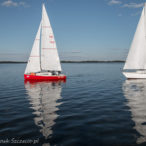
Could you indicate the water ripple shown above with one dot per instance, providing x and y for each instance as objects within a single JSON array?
[{"x": 94, "y": 107}]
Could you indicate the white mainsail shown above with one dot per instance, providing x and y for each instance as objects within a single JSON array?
[
  {"x": 49, "y": 54},
  {"x": 137, "y": 55},
  {"x": 33, "y": 64}
]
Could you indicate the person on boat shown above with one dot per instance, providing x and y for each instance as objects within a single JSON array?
[{"x": 55, "y": 73}]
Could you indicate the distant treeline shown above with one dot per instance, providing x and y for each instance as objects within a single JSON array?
[
  {"x": 13, "y": 62},
  {"x": 63, "y": 61},
  {"x": 94, "y": 61}
]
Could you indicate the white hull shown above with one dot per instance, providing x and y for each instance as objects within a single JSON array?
[{"x": 134, "y": 75}]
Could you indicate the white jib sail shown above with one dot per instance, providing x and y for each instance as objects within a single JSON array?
[
  {"x": 49, "y": 54},
  {"x": 137, "y": 55},
  {"x": 33, "y": 64}
]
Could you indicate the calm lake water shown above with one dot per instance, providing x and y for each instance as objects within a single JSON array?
[{"x": 96, "y": 106}]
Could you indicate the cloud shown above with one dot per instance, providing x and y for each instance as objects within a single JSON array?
[
  {"x": 133, "y": 5},
  {"x": 23, "y": 4},
  {"x": 114, "y": 2},
  {"x": 11, "y": 3}
]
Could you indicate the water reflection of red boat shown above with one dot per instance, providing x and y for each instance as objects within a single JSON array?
[{"x": 31, "y": 82}]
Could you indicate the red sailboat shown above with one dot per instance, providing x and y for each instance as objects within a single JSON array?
[{"x": 44, "y": 62}]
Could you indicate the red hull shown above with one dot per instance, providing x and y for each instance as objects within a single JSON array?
[{"x": 44, "y": 78}]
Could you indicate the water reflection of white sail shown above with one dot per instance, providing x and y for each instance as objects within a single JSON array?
[
  {"x": 135, "y": 92},
  {"x": 43, "y": 100}
]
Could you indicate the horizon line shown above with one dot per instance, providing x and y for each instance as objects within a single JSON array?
[{"x": 72, "y": 61}]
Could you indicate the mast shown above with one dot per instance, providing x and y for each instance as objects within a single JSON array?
[{"x": 40, "y": 44}]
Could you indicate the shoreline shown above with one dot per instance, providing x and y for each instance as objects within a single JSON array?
[{"x": 63, "y": 61}]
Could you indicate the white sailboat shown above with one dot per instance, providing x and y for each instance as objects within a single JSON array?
[
  {"x": 44, "y": 62},
  {"x": 135, "y": 66}
]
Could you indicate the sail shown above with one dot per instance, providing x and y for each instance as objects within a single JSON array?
[
  {"x": 33, "y": 64},
  {"x": 49, "y": 54},
  {"x": 137, "y": 55}
]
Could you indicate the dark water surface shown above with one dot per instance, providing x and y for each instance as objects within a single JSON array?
[{"x": 96, "y": 106}]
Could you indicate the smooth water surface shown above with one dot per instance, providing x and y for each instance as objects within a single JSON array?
[{"x": 96, "y": 106}]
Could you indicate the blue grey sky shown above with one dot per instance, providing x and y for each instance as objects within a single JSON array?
[{"x": 83, "y": 29}]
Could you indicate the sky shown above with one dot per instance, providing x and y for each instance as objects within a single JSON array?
[{"x": 83, "y": 29}]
